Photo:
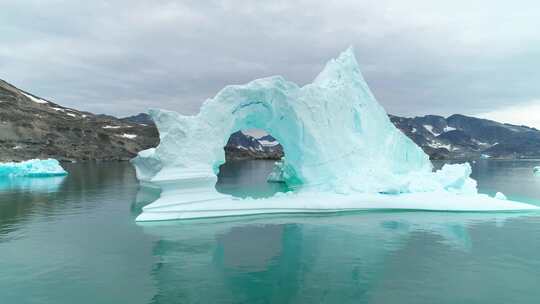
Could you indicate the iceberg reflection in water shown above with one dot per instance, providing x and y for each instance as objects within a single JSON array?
[
  {"x": 292, "y": 259},
  {"x": 354, "y": 257},
  {"x": 36, "y": 184}
]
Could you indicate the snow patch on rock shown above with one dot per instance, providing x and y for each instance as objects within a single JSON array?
[
  {"x": 430, "y": 130},
  {"x": 34, "y": 99},
  {"x": 128, "y": 136},
  {"x": 448, "y": 129}
]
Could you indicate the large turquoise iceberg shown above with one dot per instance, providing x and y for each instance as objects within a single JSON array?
[
  {"x": 341, "y": 153},
  {"x": 32, "y": 168}
]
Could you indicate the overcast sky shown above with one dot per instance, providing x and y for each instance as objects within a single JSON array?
[{"x": 419, "y": 57}]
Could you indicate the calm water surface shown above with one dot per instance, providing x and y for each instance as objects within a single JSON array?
[{"x": 74, "y": 240}]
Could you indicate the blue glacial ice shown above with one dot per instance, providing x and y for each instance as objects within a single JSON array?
[
  {"x": 341, "y": 153},
  {"x": 32, "y": 168}
]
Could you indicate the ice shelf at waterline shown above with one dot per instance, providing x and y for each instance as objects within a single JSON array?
[
  {"x": 32, "y": 168},
  {"x": 341, "y": 153}
]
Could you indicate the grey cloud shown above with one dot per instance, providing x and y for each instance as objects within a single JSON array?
[{"x": 122, "y": 57}]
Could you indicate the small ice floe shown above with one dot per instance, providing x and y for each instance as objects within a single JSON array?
[
  {"x": 276, "y": 176},
  {"x": 32, "y": 168},
  {"x": 500, "y": 195},
  {"x": 536, "y": 170}
]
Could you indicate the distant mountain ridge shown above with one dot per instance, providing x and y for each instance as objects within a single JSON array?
[
  {"x": 455, "y": 137},
  {"x": 245, "y": 146},
  {"x": 464, "y": 137},
  {"x": 32, "y": 127},
  {"x": 141, "y": 118}
]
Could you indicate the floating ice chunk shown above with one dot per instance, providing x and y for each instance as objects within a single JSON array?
[
  {"x": 32, "y": 168},
  {"x": 342, "y": 153},
  {"x": 500, "y": 195},
  {"x": 455, "y": 178},
  {"x": 276, "y": 176},
  {"x": 536, "y": 170}
]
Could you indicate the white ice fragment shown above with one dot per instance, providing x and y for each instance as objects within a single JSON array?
[
  {"x": 500, "y": 195},
  {"x": 276, "y": 176},
  {"x": 536, "y": 170},
  {"x": 112, "y": 127},
  {"x": 32, "y": 168}
]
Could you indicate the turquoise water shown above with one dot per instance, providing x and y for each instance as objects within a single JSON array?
[{"x": 74, "y": 240}]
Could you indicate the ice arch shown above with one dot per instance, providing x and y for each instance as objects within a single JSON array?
[
  {"x": 330, "y": 130},
  {"x": 336, "y": 137}
]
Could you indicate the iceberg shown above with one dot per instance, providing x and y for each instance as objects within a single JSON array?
[
  {"x": 341, "y": 153},
  {"x": 32, "y": 168}
]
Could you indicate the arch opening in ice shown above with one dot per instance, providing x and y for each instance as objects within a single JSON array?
[{"x": 252, "y": 165}]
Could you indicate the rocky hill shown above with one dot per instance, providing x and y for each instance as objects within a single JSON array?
[
  {"x": 245, "y": 146},
  {"x": 32, "y": 127}
]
